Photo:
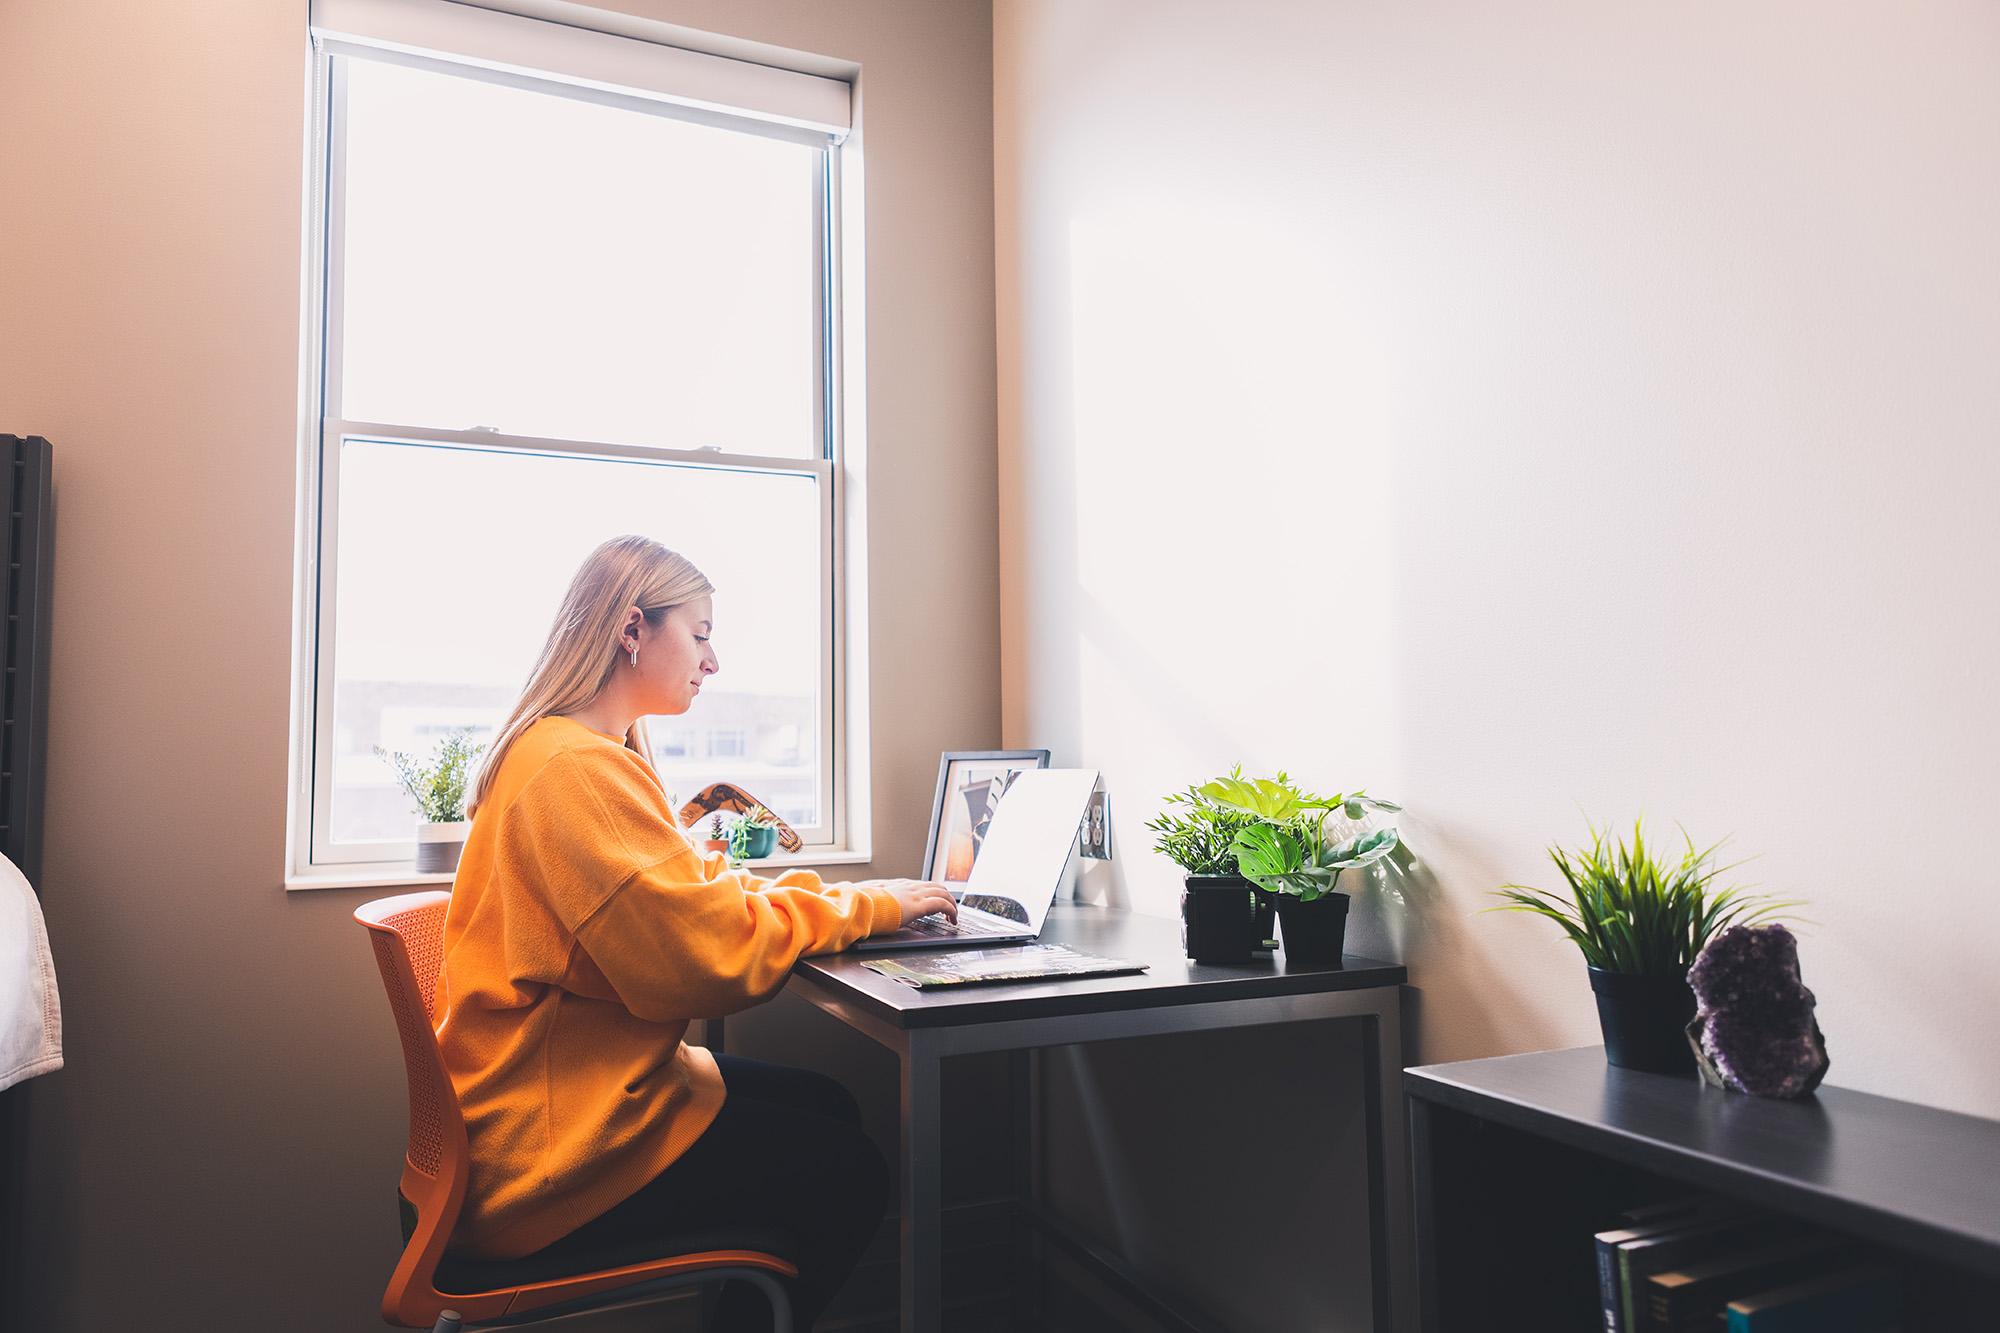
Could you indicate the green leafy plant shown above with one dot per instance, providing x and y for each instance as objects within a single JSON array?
[
  {"x": 437, "y": 785},
  {"x": 1197, "y": 834},
  {"x": 1285, "y": 848},
  {"x": 1631, "y": 911}
]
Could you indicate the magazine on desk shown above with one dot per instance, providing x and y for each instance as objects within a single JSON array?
[{"x": 965, "y": 967}]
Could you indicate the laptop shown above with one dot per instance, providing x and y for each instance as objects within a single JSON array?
[{"x": 1021, "y": 864}]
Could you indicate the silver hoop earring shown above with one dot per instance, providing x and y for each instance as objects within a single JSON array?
[{"x": 635, "y": 657}]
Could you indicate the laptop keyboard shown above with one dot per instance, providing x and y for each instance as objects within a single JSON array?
[{"x": 942, "y": 928}]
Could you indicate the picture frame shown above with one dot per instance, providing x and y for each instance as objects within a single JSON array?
[{"x": 969, "y": 786}]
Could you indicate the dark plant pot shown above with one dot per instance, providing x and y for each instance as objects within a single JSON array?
[
  {"x": 759, "y": 842},
  {"x": 1315, "y": 931},
  {"x": 1264, "y": 930},
  {"x": 1645, "y": 1020},
  {"x": 1218, "y": 918}
]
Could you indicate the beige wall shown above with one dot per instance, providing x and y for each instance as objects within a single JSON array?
[
  {"x": 221, "y": 1149},
  {"x": 1526, "y": 411}
]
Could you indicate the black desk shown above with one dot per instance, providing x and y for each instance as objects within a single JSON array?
[
  {"x": 922, "y": 1028},
  {"x": 1518, "y": 1159}
]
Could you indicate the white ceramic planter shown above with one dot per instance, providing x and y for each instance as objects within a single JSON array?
[{"x": 438, "y": 846}]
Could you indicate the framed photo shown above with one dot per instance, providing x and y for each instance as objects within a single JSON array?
[{"x": 970, "y": 784}]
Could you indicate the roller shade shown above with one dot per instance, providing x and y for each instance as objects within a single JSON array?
[{"x": 510, "y": 44}]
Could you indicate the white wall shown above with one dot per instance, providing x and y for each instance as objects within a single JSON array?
[
  {"x": 222, "y": 1148},
  {"x": 1527, "y": 411}
]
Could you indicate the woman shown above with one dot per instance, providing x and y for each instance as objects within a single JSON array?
[{"x": 585, "y": 933}]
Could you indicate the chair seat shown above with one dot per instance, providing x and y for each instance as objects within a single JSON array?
[{"x": 459, "y": 1274}]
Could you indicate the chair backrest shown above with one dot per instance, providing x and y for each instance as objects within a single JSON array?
[{"x": 408, "y": 935}]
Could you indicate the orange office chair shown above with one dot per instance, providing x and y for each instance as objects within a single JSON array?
[{"x": 431, "y": 1288}]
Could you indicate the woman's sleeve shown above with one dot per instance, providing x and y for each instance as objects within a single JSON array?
[{"x": 674, "y": 939}]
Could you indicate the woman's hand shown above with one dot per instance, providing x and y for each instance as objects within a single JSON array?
[{"x": 917, "y": 898}]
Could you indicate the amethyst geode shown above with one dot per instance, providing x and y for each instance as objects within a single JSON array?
[{"x": 1753, "y": 1027}]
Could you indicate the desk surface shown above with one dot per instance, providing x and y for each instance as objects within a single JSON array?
[{"x": 1170, "y": 977}]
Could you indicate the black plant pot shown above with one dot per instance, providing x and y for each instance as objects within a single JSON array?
[
  {"x": 1645, "y": 1020},
  {"x": 1218, "y": 918},
  {"x": 1314, "y": 931}
]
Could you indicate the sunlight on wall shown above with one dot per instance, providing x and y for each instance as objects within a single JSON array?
[{"x": 1231, "y": 516}]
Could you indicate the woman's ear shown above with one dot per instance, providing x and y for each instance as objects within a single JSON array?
[{"x": 628, "y": 633}]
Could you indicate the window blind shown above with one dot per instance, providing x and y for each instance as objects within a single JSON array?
[{"x": 512, "y": 44}]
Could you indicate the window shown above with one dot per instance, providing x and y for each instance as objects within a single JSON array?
[{"x": 561, "y": 301}]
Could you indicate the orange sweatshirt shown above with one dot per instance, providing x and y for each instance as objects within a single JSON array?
[{"x": 584, "y": 934}]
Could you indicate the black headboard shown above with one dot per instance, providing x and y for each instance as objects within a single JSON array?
[
  {"x": 26, "y": 501},
  {"x": 27, "y": 507}
]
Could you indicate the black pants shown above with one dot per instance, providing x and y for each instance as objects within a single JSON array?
[{"x": 785, "y": 1152}]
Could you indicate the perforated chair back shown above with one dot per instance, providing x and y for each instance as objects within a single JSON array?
[{"x": 408, "y": 934}]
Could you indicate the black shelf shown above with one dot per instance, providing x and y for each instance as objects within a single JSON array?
[{"x": 1520, "y": 1159}]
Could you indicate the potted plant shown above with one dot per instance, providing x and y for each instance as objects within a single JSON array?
[
  {"x": 1221, "y": 919},
  {"x": 1640, "y": 920},
  {"x": 718, "y": 836},
  {"x": 438, "y": 787},
  {"x": 1286, "y": 850},
  {"x": 754, "y": 835}
]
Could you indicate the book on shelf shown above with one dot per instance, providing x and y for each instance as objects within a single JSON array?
[
  {"x": 1642, "y": 1256},
  {"x": 1692, "y": 1297},
  {"x": 1643, "y": 1224},
  {"x": 1019, "y": 962},
  {"x": 1857, "y": 1300}
]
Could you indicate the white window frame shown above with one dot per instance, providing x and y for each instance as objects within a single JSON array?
[{"x": 313, "y": 860}]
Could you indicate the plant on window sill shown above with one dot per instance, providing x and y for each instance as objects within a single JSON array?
[{"x": 438, "y": 786}]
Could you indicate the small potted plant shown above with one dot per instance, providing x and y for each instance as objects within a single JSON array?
[
  {"x": 1639, "y": 921},
  {"x": 754, "y": 835},
  {"x": 1286, "y": 850},
  {"x": 718, "y": 836},
  {"x": 1220, "y": 917},
  {"x": 438, "y": 785}
]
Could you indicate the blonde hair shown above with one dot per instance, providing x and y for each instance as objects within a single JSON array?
[{"x": 582, "y": 649}]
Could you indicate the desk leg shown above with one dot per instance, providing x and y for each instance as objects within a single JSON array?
[
  {"x": 920, "y": 1275},
  {"x": 1394, "y": 1285},
  {"x": 1024, "y": 1076},
  {"x": 1423, "y": 1173}
]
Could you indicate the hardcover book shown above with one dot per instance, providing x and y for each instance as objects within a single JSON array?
[
  {"x": 1611, "y": 1290},
  {"x": 1640, "y": 1258},
  {"x": 1691, "y": 1297}
]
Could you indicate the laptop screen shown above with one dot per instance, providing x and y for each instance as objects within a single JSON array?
[{"x": 1028, "y": 845}]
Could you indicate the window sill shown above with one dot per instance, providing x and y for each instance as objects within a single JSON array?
[
  {"x": 404, "y": 877},
  {"x": 387, "y": 877},
  {"x": 809, "y": 859}
]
